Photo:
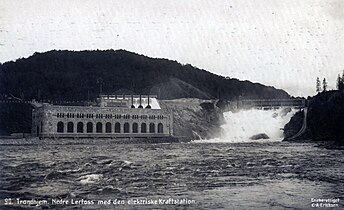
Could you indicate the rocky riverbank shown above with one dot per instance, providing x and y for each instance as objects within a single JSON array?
[
  {"x": 195, "y": 118},
  {"x": 325, "y": 120}
]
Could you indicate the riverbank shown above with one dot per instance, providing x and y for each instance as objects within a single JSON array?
[{"x": 325, "y": 120}]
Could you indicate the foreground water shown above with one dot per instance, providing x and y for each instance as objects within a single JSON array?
[{"x": 269, "y": 175}]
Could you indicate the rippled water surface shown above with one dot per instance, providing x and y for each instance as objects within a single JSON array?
[{"x": 269, "y": 175}]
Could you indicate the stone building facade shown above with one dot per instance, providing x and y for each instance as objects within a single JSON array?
[{"x": 113, "y": 117}]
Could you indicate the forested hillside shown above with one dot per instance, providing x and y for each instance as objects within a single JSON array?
[{"x": 68, "y": 75}]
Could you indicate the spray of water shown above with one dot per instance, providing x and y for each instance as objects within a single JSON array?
[{"x": 242, "y": 125}]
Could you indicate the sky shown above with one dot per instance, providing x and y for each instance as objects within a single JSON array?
[{"x": 282, "y": 43}]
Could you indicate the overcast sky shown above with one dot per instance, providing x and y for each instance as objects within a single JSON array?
[{"x": 283, "y": 43}]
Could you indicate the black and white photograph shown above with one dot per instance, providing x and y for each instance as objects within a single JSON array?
[{"x": 171, "y": 104}]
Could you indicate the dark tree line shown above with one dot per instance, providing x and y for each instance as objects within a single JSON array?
[{"x": 322, "y": 87}]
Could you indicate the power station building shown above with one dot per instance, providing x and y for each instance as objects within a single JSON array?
[{"x": 114, "y": 116}]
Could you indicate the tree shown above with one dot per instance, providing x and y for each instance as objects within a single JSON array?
[
  {"x": 324, "y": 85},
  {"x": 318, "y": 85},
  {"x": 340, "y": 82}
]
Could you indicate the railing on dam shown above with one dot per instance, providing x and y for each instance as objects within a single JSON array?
[{"x": 267, "y": 103}]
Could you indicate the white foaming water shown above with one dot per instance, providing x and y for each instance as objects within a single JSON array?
[
  {"x": 241, "y": 125},
  {"x": 91, "y": 178}
]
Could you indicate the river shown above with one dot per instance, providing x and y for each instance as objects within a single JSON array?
[{"x": 251, "y": 175}]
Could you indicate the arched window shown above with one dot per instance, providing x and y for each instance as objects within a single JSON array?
[
  {"x": 108, "y": 127},
  {"x": 135, "y": 128},
  {"x": 160, "y": 128},
  {"x": 117, "y": 127},
  {"x": 70, "y": 127},
  {"x": 99, "y": 127},
  {"x": 143, "y": 128},
  {"x": 151, "y": 128},
  {"x": 80, "y": 127},
  {"x": 89, "y": 127},
  {"x": 60, "y": 127},
  {"x": 126, "y": 127}
]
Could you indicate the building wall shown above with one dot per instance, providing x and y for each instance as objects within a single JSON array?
[
  {"x": 48, "y": 116},
  {"x": 37, "y": 121}
]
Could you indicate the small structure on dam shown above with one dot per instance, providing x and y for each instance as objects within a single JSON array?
[{"x": 134, "y": 116}]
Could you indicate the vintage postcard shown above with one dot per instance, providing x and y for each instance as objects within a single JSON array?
[{"x": 173, "y": 104}]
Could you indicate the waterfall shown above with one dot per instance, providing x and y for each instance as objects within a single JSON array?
[{"x": 243, "y": 124}]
